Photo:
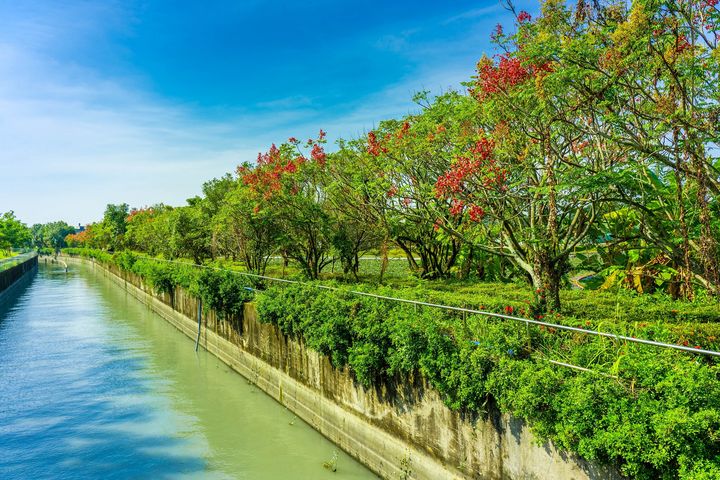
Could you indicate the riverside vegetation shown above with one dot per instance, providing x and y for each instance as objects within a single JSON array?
[
  {"x": 655, "y": 415},
  {"x": 584, "y": 153}
]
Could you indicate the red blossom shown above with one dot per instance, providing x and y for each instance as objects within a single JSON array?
[
  {"x": 497, "y": 78},
  {"x": 523, "y": 17},
  {"x": 457, "y": 207},
  {"x": 290, "y": 167},
  {"x": 682, "y": 44},
  {"x": 392, "y": 191},
  {"x": 497, "y": 33},
  {"x": 480, "y": 162},
  {"x": 374, "y": 147},
  {"x": 476, "y": 213},
  {"x": 318, "y": 154}
]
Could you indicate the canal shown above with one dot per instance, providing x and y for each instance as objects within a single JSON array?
[{"x": 94, "y": 385}]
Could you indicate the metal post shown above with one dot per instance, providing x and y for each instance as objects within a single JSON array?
[{"x": 199, "y": 317}]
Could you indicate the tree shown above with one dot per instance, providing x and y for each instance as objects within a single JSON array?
[
  {"x": 245, "y": 232},
  {"x": 287, "y": 185},
  {"x": 387, "y": 181},
  {"x": 51, "y": 235},
  {"x": 534, "y": 172},
  {"x": 215, "y": 192},
  {"x": 115, "y": 222},
  {"x": 650, "y": 72},
  {"x": 13, "y": 233},
  {"x": 189, "y": 235},
  {"x": 148, "y": 229}
]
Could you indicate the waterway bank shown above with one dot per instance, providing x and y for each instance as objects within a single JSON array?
[
  {"x": 16, "y": 270},
  {"x": 95, "y": 385},
  {"x": 403, "y": 432}
]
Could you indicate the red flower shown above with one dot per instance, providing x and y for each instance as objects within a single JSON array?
[
  {"x": 476, "y": 213},
  {"x": 374, "y": 148},
  {"x": 497, "y": 33},
  {"x": 318, "y": 154},
  {"x": 457, "y": 207},
  {"x": 523, "y": 17},
  {"x": 682, "y": 44},
  {"x": 404, "y": 130},
  {"x": 497, "y": 78}
]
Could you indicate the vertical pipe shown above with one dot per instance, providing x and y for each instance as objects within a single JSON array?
[{"x": 199, "y": 316}]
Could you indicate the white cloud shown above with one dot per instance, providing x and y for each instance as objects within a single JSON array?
[
  {"x": 75, "y": 139},
  {"x": 475, "y": 13}
]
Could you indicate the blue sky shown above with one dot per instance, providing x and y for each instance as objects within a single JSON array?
[{"x": 142, "y": 101}]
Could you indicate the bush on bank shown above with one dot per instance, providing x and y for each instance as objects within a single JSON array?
[{"x": 656, "y": 414}]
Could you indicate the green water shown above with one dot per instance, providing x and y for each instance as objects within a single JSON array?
[{"x": 94, "y": 385}]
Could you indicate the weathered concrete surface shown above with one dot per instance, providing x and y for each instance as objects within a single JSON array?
[
  {"x": 401, "y": 430},
  {"x": 11, "y": 276}
]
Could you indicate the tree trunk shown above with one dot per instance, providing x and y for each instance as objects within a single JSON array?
[
  {"x": 685, "y": 272},
  {"x": 546, "y": 279},
  {"x": 708, "y": 244}
]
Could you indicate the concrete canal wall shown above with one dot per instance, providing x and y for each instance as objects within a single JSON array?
[
  {"x": 400, "y": 430},
  {"x": 13, "y": 275}
]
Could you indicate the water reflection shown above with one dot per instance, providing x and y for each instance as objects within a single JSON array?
[{"x": 96, "y": 386}]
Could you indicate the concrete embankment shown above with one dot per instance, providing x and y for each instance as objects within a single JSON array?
[
  {"x": 400, "y": 430},
  {"x": 13, "y": 276}
]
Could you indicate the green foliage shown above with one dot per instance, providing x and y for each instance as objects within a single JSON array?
[
  {"x": 51, "y": 235},
  {"x": 13, "y": 233},
  {"x": 219, "y": 290},
  {"x": 222, "y": 291},
  {"x": 98, "y": 255},
  {"x": 589, "y": 146},
  {"x": 659, "y": 419}
]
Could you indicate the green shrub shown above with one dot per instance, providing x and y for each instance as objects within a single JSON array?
[
  {"x": 222, "y": 291},
  {"x": 660, "y": 418}
]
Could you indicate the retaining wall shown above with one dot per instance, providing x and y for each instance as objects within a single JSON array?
[
  {"x": 400, "y": 430},
  {"x": 9, "y": 277}
]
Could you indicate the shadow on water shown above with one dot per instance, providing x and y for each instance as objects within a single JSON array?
[
  {"x": 9, "y": 298},
  {"x": 74, "y": 408}
]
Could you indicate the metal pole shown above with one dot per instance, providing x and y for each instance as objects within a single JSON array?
[{"x": 199, "y": 317}]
